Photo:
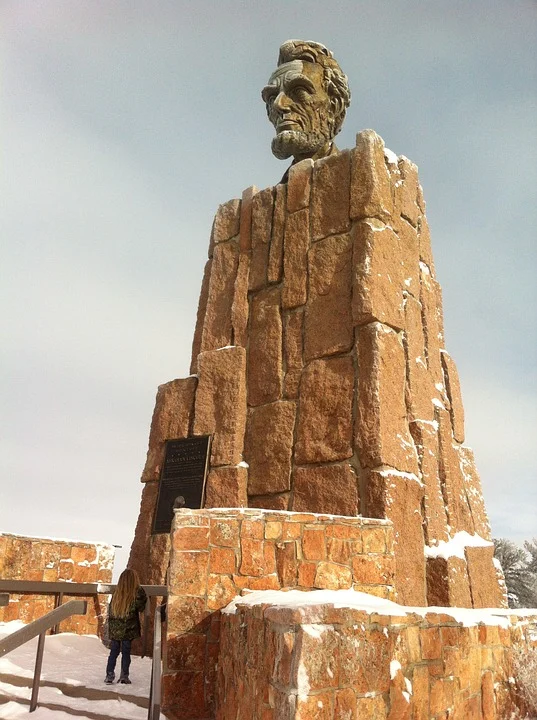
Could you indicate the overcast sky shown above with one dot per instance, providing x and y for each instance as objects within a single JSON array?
[{"x": 125, "y": 123}]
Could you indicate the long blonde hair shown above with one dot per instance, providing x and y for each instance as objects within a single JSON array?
[{"x": 125, "y": 593}]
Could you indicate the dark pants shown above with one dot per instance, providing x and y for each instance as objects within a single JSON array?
[{"x": 117, "y": 646}]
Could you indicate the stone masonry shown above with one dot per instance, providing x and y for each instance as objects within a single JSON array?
[
  {"x": 319, "y": 368},
  {"x": 50, "y": 560},
  {"x": 282, "y": 659},
  {"x": 217, "y": 554}
]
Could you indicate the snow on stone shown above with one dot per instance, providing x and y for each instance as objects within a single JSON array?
[
  {"x": 390, "y": 156},
  {"x": 315, "y": 631},
  {"x": 395, "y": 666},
  {"x": 399, "y": 473},
  {"x": 226, "y": 347},
  {"x": 243, "y": 464},
  {"x": 425, "y": 268},
  {"x": 354, "y": 600},
  {"x": 456, "y": 545}
]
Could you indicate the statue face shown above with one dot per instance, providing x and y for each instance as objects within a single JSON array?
[{"x": 299, "y": 108}]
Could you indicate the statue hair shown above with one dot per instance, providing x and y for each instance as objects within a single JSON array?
[{"x": 336, "y": 82}]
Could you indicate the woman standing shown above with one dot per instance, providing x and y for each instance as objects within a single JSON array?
[{"x": 128, "y": 600}]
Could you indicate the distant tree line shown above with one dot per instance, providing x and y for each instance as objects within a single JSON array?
[{"x": 519, "y": 565}]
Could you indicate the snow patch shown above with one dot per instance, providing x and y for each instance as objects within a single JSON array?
[
  {"x": 456, "y": 545},
  {"x": 390, "y": 156},
  {"x": 395, "y": 666}
]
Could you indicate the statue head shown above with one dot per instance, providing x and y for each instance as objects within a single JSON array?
[{"x": 307, "y": 97}]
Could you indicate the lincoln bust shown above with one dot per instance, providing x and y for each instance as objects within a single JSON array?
[{"x": 306, "y": 98}]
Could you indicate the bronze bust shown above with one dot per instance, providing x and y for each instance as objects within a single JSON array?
[{"x": 306, "y": 97}]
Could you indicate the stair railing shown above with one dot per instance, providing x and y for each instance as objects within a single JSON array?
[
  {"x": 153, "y": 712},
  {"x": 39, "y": 628}
]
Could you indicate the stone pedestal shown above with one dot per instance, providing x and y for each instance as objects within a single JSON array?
[
  {"x": 218, "y": 554},
  {"x": 320, "y": 371}
]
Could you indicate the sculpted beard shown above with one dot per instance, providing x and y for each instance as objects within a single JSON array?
[{"x": 298, "y": 142}]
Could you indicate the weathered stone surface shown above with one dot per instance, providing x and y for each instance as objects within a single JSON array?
[
  {"x": 239, "y": 306},
  {"x": 453, "y": 388},
  {"x": 431, "y": 329},
  {"x": 474, "y": 493},
  {"x": 435, "y": 520},
  {"x": 275, "y": 261},
  {"x": 378, "y": 275},
  {"x": 484, "y": 587},
  {"x": 217, "y": 328},
  {"x": 292, "y": 351},
  {"x": 324, "y": 430},
  {"x": 410, "y": 258},
  {"x": 270, "y": 502},
  {"x": 226, "y": 222},
  {"x": 265, "y": 371},
  {"x": 220, "y": 408},
  {"x": 268, "y": 447},
  {"x": 388, "y": 495},
  {"x": 328, "y": 323},
  {"x": 331, "y": 195},
  {"x": 262, "y": 208},
  {"x": 245, "y": 230},
  {"x": 452, "y": 478},
  {"x": 424, "y": 240},
  {"x": 447, "y": 582},
  {"x": 171, "y": 420},
  {"x": 139, "y": 553},
  {"x": 381, "y": 432},
  {"x": 329, "y": 489},
  {"x": 299, "y": 185},
  {"x": 420, "y": 388},
  {"x": 370, "y": 181},
  {"x": 409, "y": 191},
  {"x": 295, "y": 259},
  {"x": 227, "y": 487},
  {"x": 200, "y": 317}
]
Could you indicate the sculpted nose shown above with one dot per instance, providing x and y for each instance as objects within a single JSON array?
[{"x": 281, "y": 101}]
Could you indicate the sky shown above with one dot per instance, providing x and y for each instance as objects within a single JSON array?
[{"x": 125, "y": 123}]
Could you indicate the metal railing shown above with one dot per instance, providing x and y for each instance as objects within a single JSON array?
[
  {"x": 153, "y": 712},
  {"x": 39, "y": 628},
  {"x": 4, "y": 599},
  {"x": 59, "y": 589}
]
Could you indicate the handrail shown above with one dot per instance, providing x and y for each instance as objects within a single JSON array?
[
  {"x": 153, "y": 712},
  {"x": 4, "y": 599},
  {"x": 41, "y": 587},
  {"x": 39, "y": 627}
]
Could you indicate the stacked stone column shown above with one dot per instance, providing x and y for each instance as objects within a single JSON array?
[{"x": 319, "y": 369}]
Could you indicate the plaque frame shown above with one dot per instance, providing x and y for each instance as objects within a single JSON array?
[{"x": 165, "y": 506}]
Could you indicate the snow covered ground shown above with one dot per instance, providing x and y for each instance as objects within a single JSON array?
[{"x": 71, "y": 679}]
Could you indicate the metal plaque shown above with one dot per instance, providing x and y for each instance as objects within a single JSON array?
[{"x": 182, "y": 480}]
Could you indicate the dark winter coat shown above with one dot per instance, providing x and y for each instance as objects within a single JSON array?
[{"x": 128, "y": 628}]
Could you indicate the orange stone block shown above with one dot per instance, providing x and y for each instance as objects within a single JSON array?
[
  {"x": 286, "y": 564},
  {"x": 252, "y": 557},
  {"x": 331, "y": 195},
  {"x": 225, "y": 532},
  {"x": 330, "y": 576},
  {"x": 328, "y": 326},
  {"x": 371, "y": 194},
  {"x": 314, "y": 544},
  {"x": 227, "y": 487},
  {"x": 262, "y": 208},
  {"x": 299, "y": 185},
  {"x": 371, "y": 708},
  {"x": 185, "y": 652},
  {"x": 295, "y": 259},
  {"x": 264, "y": 360},
  {"x": 306, "y": 574},
  {"x": 373, "y": 569},
  {"x": 220, "y": 591},
  {"x": 190, "y": 538},
  {"x": 374, "y": 540},
  {"x": 275, "y": 262},
  {"x": 188, "y": 573},
  {"x": 222, "y": 560}
]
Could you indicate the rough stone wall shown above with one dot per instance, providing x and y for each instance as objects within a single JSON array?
[
  {"x": 334, "y": 663},
  {"x": 320, "y": 371},
  {"x": 217, "y": 554},
  {"x": 49, "y": 560}
]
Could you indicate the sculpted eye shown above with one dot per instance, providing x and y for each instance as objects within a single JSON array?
[{"x": 268, "y": 94}]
